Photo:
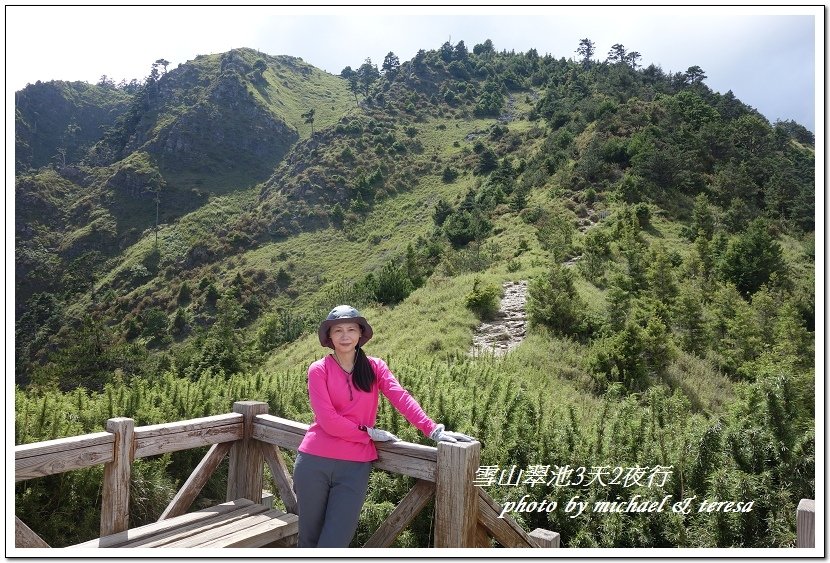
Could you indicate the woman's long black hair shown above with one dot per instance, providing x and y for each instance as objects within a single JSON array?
[{"x": 363, "y": 375}]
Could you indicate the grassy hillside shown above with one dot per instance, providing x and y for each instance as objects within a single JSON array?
[{"x": 665, "y": 230}]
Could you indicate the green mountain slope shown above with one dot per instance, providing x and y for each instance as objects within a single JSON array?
[
  {"x": 213, "y": 125},
  {"x": 666, "y": 231},
  {"x": 57, "y": 121}
]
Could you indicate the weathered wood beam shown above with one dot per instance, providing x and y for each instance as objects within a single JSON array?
[
  {"x": 405, "y": 458},
  {"x": 253, "y": 532},
  {"x": 159, "y": 439},
  {"x": 138, "y": 534},
  {"x": 409, "y": 507},
  {"x": 197, "y": 480},
  {"x": 806, "y": 523},
  {"x": 245, "y": 467},
  {"x": 483, "y": 536},
  {"x": 505, "y": 530},
  {"x": 544, "y": 538},
  {"x": 24, "y": 536},
  {"x": 61, "y": 455},
  {"x": 282, "y": 477},
  {"x": 278, "y": 431},
  {"x": 179, "y": 535},
  {"x": 456, "y": 503},
  {"x": 115, "y": 495}
]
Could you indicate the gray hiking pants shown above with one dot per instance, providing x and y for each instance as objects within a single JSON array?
[{"x": 330, "y": 493}]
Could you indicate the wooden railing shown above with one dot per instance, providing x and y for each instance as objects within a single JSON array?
[{"x": 465, "y": 515}]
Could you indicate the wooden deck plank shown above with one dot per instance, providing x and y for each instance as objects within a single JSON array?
[
  {"x": 276, "y": 526},
  {"x": 203, "y": 536},
  {"x": 230, "y": 532},
  {"x": 117, "y": 540},
  {"x": 170, "y": 537}
]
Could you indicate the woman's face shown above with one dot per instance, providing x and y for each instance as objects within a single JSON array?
[{"x": 345, "y": 336}]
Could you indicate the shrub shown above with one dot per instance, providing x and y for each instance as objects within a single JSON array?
[
  {"x": 643, "y": 213},
  {"x": 393, "y": 284},
  {"x": 154, "y": 322},
  {"x": 553, "y": 302},
  {"x": 449, "y": 175},
  {"x": 279, "y": 328},
  {"x": 752, "y": 258},
  {"x": 212, "y": 294},
  {"x": 462, "y": 227},
  {"x": 179, "y": 324},
  {"x": 184, "y": 293},
  {"x": 483, "y": 300}
]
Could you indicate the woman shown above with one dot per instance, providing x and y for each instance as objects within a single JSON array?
[{"x": 331, "y": 472}]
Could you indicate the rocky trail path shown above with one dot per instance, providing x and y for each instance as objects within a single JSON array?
[{"x": 508, "y": 329}]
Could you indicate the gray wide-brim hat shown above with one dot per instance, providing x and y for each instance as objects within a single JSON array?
[{"x": 344, "y": 314}]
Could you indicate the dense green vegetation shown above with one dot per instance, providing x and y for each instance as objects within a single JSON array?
[{"x": 666, "y": 230}]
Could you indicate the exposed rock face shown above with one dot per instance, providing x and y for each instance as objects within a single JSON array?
[
  {"x": 136, "y": 183},
  {"x": 228, "y": 130},
  {"x": 508, "y": 329}
]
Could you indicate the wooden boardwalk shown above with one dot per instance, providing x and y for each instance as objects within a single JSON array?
[{"x": 239, "y": 523}]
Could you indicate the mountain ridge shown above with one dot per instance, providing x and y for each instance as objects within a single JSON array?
[{"x": 363, "y": 151}]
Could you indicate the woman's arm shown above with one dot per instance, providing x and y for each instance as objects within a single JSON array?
[
  {"x": 401, "y": 399},
  {"x": 324, "y": 412}
]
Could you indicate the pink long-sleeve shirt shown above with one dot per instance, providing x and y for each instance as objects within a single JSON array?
[{"x": 340, "y": 407}]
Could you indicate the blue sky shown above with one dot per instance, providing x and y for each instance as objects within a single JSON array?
[{"x": 766, "y": 55}]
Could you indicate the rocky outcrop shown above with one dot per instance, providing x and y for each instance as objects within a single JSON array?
[
  {"x": 508, "y": 329},
  {"x": 228, "y": 130}
]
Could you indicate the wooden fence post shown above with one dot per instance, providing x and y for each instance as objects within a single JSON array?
[
  {"x": 456, "y": 498},
  {"x": 115, "y": 496},
  {"x": 246, "y": 460},
  {"x": 805, "y": 523},
  {"x": 544, "y": 538}
]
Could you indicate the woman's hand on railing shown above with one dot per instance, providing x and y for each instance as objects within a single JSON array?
[
  {"x": 379, "y": 435},
  {"x": 441, "y": 435}
]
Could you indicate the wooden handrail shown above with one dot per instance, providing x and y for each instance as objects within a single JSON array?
[
  {"x": 77, "y": 452},
  {"x": 61, "y": 455},
  {"x": 248, "y": 435},
  {"x": 187, "y": 434},
  {"x": 406, "y": 458}
]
